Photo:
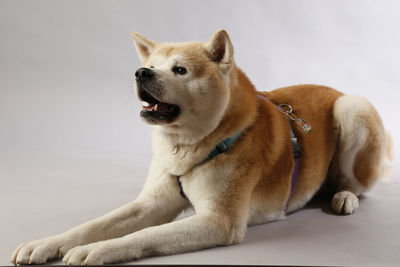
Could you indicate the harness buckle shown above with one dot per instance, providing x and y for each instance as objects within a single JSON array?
[{"x": 222, "y": 147}]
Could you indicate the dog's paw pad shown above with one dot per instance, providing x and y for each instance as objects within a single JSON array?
[{"x": 344, "y": 202}]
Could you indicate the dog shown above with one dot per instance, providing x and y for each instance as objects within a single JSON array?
[{"x": 236, "y": 156}]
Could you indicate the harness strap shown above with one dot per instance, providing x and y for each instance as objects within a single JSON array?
[
  {"x": 225, "y": 144},
  {"x": 219, "y": 149}
]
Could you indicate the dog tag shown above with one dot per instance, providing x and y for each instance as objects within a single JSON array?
[
  {"x": 288, "y": 111},
  {"x": 303, "y": 125}
]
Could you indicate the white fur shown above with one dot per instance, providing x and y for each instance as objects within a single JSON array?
[
  {"x": 344, "y": 202},
  {"x": 350, "y": 118},
  {"x": 145, "y": 226},
  {"x": 132, "y": 230},
  {"x": 348, "y": 111},
  {"x": 195, "y": 121},
  {"x": 260, "y": 212},
  {"x": 156, "y": 205},
  {"x": 141, "y": 228}
]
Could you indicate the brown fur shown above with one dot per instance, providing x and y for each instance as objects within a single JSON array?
[
  {"x": 267, "y": 134},
  {"x": 250, "y": 183}
]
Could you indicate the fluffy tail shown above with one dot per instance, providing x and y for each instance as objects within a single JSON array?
[{"x": 365, "y": 146}]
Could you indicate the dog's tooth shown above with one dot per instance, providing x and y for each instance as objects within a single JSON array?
[
  {"x": 145, "y": 104},
  {"x": 156, "y": 107}
]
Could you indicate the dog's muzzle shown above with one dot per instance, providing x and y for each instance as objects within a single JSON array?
[{"x": 150, "y": 91}]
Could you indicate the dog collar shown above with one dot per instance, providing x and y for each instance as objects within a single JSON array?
[{"x": 219, "y": 149}]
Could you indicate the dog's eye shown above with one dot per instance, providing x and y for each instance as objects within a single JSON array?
[{"x": 179, "y": 70}]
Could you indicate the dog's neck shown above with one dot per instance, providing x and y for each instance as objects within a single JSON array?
[
  {"x": 240, "y": 113},
  {"x": 242, "y": 108}
]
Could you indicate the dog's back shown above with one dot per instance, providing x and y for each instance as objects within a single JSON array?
[{"x": 347, "y": 143}]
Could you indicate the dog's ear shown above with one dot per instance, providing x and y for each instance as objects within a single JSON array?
[
  {"x": 220, "y": 49},
  {"x": 144, "y": 46}
]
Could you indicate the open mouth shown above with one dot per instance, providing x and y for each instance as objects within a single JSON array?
[{"x": 155, "y": 111}]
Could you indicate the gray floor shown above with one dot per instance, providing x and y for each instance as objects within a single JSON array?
[{"x": 45, "y": 191}]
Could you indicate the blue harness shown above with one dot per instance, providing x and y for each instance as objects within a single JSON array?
[
  {"x": 219, "y": 149},
  {"x": 225, "y": 144}
]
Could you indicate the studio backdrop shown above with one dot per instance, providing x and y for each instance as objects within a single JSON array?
[{"x": 72, "y": 144}]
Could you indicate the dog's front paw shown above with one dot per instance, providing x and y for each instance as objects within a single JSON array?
[
  {"x": 40, "y": 251},
  {"x": 91, "y": 254},
  {"x": 103, "y": 252}
]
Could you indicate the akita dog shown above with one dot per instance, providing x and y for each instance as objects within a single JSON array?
[{"x": 234, "y": 155}]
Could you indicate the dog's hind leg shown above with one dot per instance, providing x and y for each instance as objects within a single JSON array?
[{"x": 363, "y": 144}]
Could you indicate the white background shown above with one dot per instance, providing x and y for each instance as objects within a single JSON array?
[{"x": 70, "y": 130}]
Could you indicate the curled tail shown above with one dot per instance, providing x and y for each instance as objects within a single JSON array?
[{"x": 364, "y": 152}]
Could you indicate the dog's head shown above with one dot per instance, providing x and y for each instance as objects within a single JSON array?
[{"x": 184, "y": 87}]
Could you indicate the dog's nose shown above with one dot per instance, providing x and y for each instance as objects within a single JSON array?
[{"x": 144, "y": 74}]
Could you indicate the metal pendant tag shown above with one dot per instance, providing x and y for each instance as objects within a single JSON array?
[
  {"x": 288, "y": 111},
  {"x": 303, "y": 125}
]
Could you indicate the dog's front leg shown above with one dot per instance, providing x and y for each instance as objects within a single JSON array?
[
  {"x": 159, "y": 203},
  {"x": 221, "y": 207},
  {"x": 196, "y": 232}
]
